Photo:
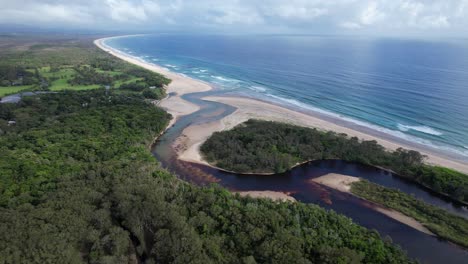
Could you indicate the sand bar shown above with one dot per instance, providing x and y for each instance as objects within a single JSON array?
[{"x": 343, "y": 183}]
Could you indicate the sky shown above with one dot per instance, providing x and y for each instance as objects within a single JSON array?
[{"x": 362, "y": 17}]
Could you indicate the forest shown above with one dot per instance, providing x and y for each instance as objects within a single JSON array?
[
  {"x": 448, "y": 226},
  {"x": 59, "y": 63},
  {"x": 79, "y": 185},
  {"x": 271, "y": 147}
]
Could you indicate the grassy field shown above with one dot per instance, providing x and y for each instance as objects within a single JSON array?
[
  {"x": 13, "y": 89},
  {"x": 57, "y": 64},
  {"x": 62, "y": 76}
]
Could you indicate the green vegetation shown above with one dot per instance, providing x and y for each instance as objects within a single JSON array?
[
  {"x": 440, "y": 222},
  {"x": 261, "y": 146},
  {"x": 59, "y": 63},
  {"x": 78, "y": 185}
]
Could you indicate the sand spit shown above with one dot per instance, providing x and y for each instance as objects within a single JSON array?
[{"x": 343, "y": 183}]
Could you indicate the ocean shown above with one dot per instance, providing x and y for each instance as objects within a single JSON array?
[{"x": 414, "y": 90}]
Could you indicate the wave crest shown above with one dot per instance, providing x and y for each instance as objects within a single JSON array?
[{"x": 422, "y": 129}]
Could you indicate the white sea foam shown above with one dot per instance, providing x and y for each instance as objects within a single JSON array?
[
  {"x": 170, "y": 66},
  {"x": 223, "y": 79},
  {"x": 202, "y": 70},
  {"x": 423, "y": 129},
  {"x": 395, "y": 133},
  {"x": 258, "y": 88}
]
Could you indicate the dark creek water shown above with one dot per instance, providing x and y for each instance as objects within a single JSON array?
[{"x": 425, "y": 248}]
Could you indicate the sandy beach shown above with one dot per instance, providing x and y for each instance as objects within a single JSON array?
[
  {"x": 188, "y": 144},
  {"x": 343, "y": 183}
]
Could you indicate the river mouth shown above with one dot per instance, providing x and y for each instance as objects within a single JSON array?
[{"x": 296, "y": 182}]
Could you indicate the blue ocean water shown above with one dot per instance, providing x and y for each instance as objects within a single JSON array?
[{"x": 416, "y": 90}]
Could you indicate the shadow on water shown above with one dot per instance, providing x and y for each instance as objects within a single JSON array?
[{"x": 425, "y": 248}]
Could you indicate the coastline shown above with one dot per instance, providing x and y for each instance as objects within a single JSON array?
[
  {"x": 255, "y": 109},
  {"x": 343, "y": 183},
  {"x": 180, "y": 85},
  {"x": 188, "y": 144}
]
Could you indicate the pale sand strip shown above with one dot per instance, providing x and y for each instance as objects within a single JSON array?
[
  {"x": 343, "y": 183},
  {"x": 194, "y": 136},
  {"x": 275, "y": 196}
]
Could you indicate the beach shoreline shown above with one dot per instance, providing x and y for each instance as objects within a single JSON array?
[
  {"x": 247, "y": 108},
  {"x": 187, "y": 146},
  {"x": 179, "y": 86}
]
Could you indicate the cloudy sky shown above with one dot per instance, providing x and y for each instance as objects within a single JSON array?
[{"x": 375, "y": 17}]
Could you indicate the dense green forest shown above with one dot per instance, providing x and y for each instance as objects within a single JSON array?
[
  {"x": 440, "y": 222},
  {"x": 59, "y": 63},
  {"x": 79, "y": 185},
  {"x": 262, "y": 146}
]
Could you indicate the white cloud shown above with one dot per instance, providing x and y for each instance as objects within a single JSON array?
[
  {"x": 232, "y": 17},
  {"x": 434, "y": 22},
  {"x": 292, "y": 12},
  {"x": 306, "y": 16},
  {"x": 44, "y": 13},
  {"x": 371, "y": 14},
  {"x": 350, "y": 25},
  {"x": 122, "y": 11}
]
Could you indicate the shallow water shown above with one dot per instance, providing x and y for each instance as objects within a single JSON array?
[{"x": 15, "y": 98}]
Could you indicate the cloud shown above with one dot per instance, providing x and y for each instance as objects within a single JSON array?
[
  {"x": 292, "y": 12},
  {"x": 350, "y": 25},
  {"x": 434, "y": 22},
  {"x": 272, "y": 16},
  {"x": 371, "y": 14},
  {"x": 123, "y": 11},
  {"x": 33, "y": 13},
  {"x": 411, "y": 16}
]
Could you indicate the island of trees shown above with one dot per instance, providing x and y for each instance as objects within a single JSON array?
[{"x": 270, "y": 147}]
